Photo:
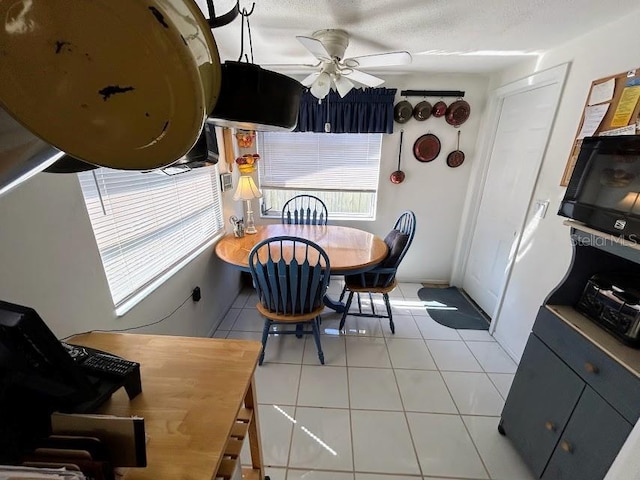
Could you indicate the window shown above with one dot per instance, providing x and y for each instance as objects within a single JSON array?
[
  {"x": 148, "y": 225},
  {"x": 341, "y": 169}
]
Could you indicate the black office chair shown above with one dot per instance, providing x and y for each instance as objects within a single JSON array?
[
  {"x": 304, "y": 210},
  {"x": 290, "y": 275},
  {"x": 382, "y": 278}
]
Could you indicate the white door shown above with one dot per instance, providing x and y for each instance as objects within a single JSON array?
[{"x": 525, "y": 119}]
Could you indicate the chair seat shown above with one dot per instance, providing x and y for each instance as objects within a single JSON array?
[
  {"x": 278, "y": 317},
  {"x": 357, "y": 288}
]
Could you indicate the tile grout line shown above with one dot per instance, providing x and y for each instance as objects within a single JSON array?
[
  {"x": 295, "y": 408},
  {"x": 404, "y": 412},
  {"x": 346, "y": 366},
  {"x": 463, "y": 423}
]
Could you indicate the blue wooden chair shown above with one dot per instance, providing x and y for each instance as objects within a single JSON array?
[
  {"x": 304, "y": 210},
  {"x": 290, "y": 275},
  {"x": 382, "y": 278}
]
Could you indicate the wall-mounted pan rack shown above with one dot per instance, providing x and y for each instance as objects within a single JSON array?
[{"x": 432, "y": 93}]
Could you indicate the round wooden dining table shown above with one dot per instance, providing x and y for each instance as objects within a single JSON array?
[{"x": 350, "y": 250}]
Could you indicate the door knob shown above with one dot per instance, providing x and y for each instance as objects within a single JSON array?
[
  {"x": 591, "y": 368},
  {"x": 566, "y": 446},
  {"x": 550, "y": 426}
]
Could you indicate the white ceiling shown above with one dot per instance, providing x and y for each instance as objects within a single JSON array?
[{"x": 450, "y": 27}]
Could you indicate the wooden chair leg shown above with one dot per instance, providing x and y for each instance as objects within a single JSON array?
[
  {"x": 346, "y": 310},
  {"x": 265, "y": 335},
  {"x": 388, "y": 304},
  {"x": 315, "y": 324}
]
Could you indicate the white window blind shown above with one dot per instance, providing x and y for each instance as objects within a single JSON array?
[
  {"x": 321, "y": 160},
  {"x": 147, "y": 223},
  {"x": 342, "y": 169}
]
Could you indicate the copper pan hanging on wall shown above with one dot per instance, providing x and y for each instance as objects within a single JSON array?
[
  {"x": 456, "y": 158},
  {"x": 402, "y": 111},
  {"x": 426, "y": 148},
  {"x": 457, "y": 113},
  {"x": 422, "y": 111}
]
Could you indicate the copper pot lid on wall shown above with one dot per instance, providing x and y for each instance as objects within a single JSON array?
[
  {"x": 422, "y": 111},
  {"x": 457, "y": 113},
  {"x": 134, "y": 99},
  {"x": 402, "y": 111},
  {"x": 426, "y": 148},
  {"x": 439, "y": 109}
]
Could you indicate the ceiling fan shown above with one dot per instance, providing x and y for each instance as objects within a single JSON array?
[{"x": 329, "y": 46}]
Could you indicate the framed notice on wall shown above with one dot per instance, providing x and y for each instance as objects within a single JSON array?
[{"x": 612, "y": 108}]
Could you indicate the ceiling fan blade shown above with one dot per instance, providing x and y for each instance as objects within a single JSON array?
[
  {"x": 343, "y": 84},
  {"x": 379, "y": 60},
  {"x": 364, "y": 78},
  {"x": 308, "y": 80},
  {"x": 316, "y": 47}
]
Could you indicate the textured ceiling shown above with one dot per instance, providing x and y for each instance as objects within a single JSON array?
[{"x": 448, "y": 27}]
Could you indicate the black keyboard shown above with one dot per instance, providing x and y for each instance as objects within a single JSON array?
[{"x": 99, "y": 363}]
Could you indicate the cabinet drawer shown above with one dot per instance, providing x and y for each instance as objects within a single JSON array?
[{"x": 606, "y": 376}]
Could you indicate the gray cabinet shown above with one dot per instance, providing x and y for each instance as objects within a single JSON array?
[
  {"x": 543, "y": 394},
  {"x": 590, "y": 442},
  {"x": 564, "y": 412}
]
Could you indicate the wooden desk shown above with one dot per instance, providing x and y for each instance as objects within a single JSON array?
[
  {"x": 198, "y": 399},
  {"x": 350, "y": 250}
]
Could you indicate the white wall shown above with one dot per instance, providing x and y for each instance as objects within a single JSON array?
[
  {"x": 434, "y": 191},
  {"x": 545, "y": 257},
  {"x": 50, "y": 261}
]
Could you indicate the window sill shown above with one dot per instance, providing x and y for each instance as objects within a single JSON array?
[{"x": 129, "y": 303}]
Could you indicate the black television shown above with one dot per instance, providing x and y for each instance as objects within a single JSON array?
[{"x": 604, "y": 188}]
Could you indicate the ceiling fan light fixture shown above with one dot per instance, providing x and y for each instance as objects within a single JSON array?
[
  {"x": 321, "y": 86},
  {"x": 343, "y": 85}
]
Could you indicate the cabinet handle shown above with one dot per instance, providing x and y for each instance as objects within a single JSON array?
[
  {"x": 550, "y": 426},
  {"x": 566, "y": 446},
  {"x": 591, "y": 368}
]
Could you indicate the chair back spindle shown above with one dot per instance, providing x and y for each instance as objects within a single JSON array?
[{"x": 304, "y": 210}]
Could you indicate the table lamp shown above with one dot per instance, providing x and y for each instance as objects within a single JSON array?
[{"x": 247, "y": 190}]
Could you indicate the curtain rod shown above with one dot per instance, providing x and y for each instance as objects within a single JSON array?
[{"x": 432, "y": 93}]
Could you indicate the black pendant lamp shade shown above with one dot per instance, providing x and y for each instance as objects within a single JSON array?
[{"x": 252, "y": 98}]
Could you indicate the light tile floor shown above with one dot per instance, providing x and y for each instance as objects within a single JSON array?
[{"x": 421, "y": 404}]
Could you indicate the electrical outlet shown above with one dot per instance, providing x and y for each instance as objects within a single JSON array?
[{"x": 196, "y": 295}]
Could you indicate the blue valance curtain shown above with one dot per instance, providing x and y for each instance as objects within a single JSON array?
[{"x": 368, "y": 110}]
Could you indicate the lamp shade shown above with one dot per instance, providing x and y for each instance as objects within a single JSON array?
[
  {"x": 343, "y": 85},
  {"x": 247, "y": 189},
  {"x": 320, "y": 88}
]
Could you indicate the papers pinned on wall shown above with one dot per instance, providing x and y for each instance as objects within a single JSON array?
[
  {"x": 592, "y": 119},
  {"x": 626, "y": 106},
  {"x": 602, "y": 92}
]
